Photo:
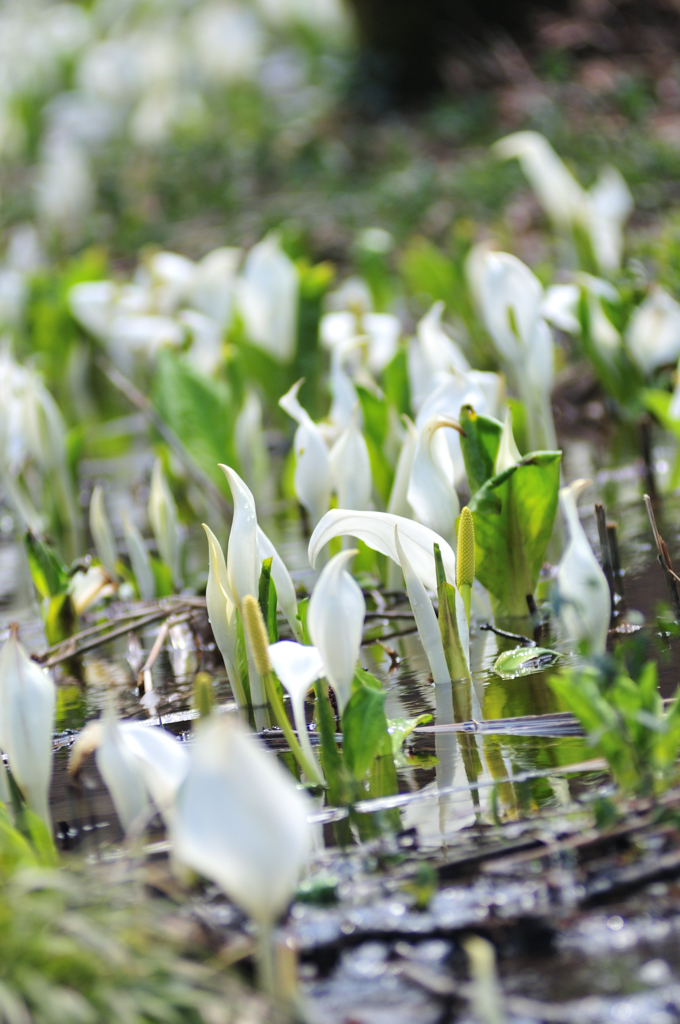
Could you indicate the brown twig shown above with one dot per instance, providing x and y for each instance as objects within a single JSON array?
[
  {"x": 601, "y": 517},
  {"x": 672, "y": 579}
]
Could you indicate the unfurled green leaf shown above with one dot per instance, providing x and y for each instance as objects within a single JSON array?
[
  {"x": 479, "y": 443},
  {"x": 364, "y": 725},
  {"x": 199, "y": 409},
  {"x": 47, "y": 572},
  {"x": 514, "y": 514},
  {"x": 523, "y": 661}
]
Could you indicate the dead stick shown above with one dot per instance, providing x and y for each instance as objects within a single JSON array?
[
  {"x": 142, "y": 403},
  {"x": 664, "y": 560},
  {"x": 601, "y": 517},
  {"x": 617, "y": 571}
]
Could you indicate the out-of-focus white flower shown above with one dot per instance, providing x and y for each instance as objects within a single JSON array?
[
  {"x": 512, "y": 297},
  {"x": 102, "y": 533},
  {"x": 560, "y": 307},
  {"x": 268, "y": 298},
  {"x": 240, "y": 820},
  {"x": 653, "y": 332},
  {"x": 609, "y": 205},
  {"x": 136, "y": 762},
  {"x": 27, "y": 703},
  {"x": 139, "y": 559},
  {"x": 398, "y": 504},
  {"x": 431, "y": 492},
  {"x": 165, "y": 521},
  {"x": 557, "y": 190},
  {"x": 312, "y": 466},
  {"x": 228, "y": 41},
  {"x": 376, "y": 529},
  {"x": 65, "y": 188},
  {"x": 213, "y": 287},
  {"x": 90, "y": 587},
  {"x": 380, "y": 330},
  {"x": 298, "y": 667},
  {"x": 251, "y": 447},
  {"x": 603, "y": 211},
  {"x": 335, "y": 619},
  {"x": 584, "y": 600},
  {"x": 351, "y": 467},
  {"x": 441, "y": 353}
]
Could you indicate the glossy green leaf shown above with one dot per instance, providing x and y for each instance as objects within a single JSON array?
[
  {"x": 267, "y": 599},
  {"x": 199, "y": 409},
  {"x": 49, "y": 576},
  {"x": 514, "y": 514},
  {"x": 364, "y": 727},
  {"x": 523, "y": 661},
  {"x": 479, "y": 443}
]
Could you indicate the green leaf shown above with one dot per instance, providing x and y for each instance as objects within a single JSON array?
[
  {"x": 267, "y": 599},
  {"x": 479, "y": 443},
  {"x": 49, "y": 576},
  {"x": 395, "y": 382},
  {"x": 524, "y": 661},
  {"x": 514, "y": 514},
  {"x": 401, "y": 728},
  {"x": 61, "y": 618},
  {"x": 199, "y": 409},
  {"x": 364, "y": 727},
  {"x": 658, "y": 403}
]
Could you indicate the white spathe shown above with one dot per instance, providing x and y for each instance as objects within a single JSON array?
[
  {"x": 335, "y": 620},
  {"x": 431, "y": 492},
  {"x": 27, "y": 703},
  {"x": 240, "y": 821},
  {"x": 426, "y": 620},
  {"x": 268, "y": 297},
  {"x": 557, "y": 190},
  {"x": 312, "y": 465},
  {"x": 653, "y": 332},
  {"x": 351, "y": 467},
  {"x": 584, "y": 600},
  {"x": 298, "y": 667},
  {"x": 376, "y": 529}
]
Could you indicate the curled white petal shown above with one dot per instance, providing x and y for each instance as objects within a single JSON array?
[
  {"x": 377, "y": 530},
  {"x": 240, "y": 820},
  {"x": 335, "y": 619}
]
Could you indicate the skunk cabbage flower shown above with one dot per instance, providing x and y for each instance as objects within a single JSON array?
[
  {"x": 222, "y": 614},
  {"x": 251, "y": 447},
  {"x": 508, "y": 453},
  {"x": 136, "y": 761},
  {"x": 609, "y": 205},
  {"x": 653, "y": 332},
  {"x": 379, "y": 331},
  {"x": 441, "y": 353},
  {"x": 248, "y": 547},
  {"x": 377, "y": 530},
  {"x": 582, "y": 588},
  {"x": 102, "y": 534},
  {"x": 240, "y": 821},
  {"x": 351, "y": 467},
  {"x": 298, "y": 667},
  {"x": 312, "y": 466},
  {"x": 268, "y": 299},
  {"x": 335, "y": 620},
  {"x": 139, "y": 559},
  {"x": 426, "y": 620},
  {"x": 398, "y": 504},
  {"x": 557, "y": 190},
  {"x": 285, "y": 588},
  {"x": 164, "y": 521},
  {"x": 122, "y": 775},
  {"x": 512, "y": 297},
  {"x": 431, "y": 493},
  {"x": 27, "y": 702}
]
